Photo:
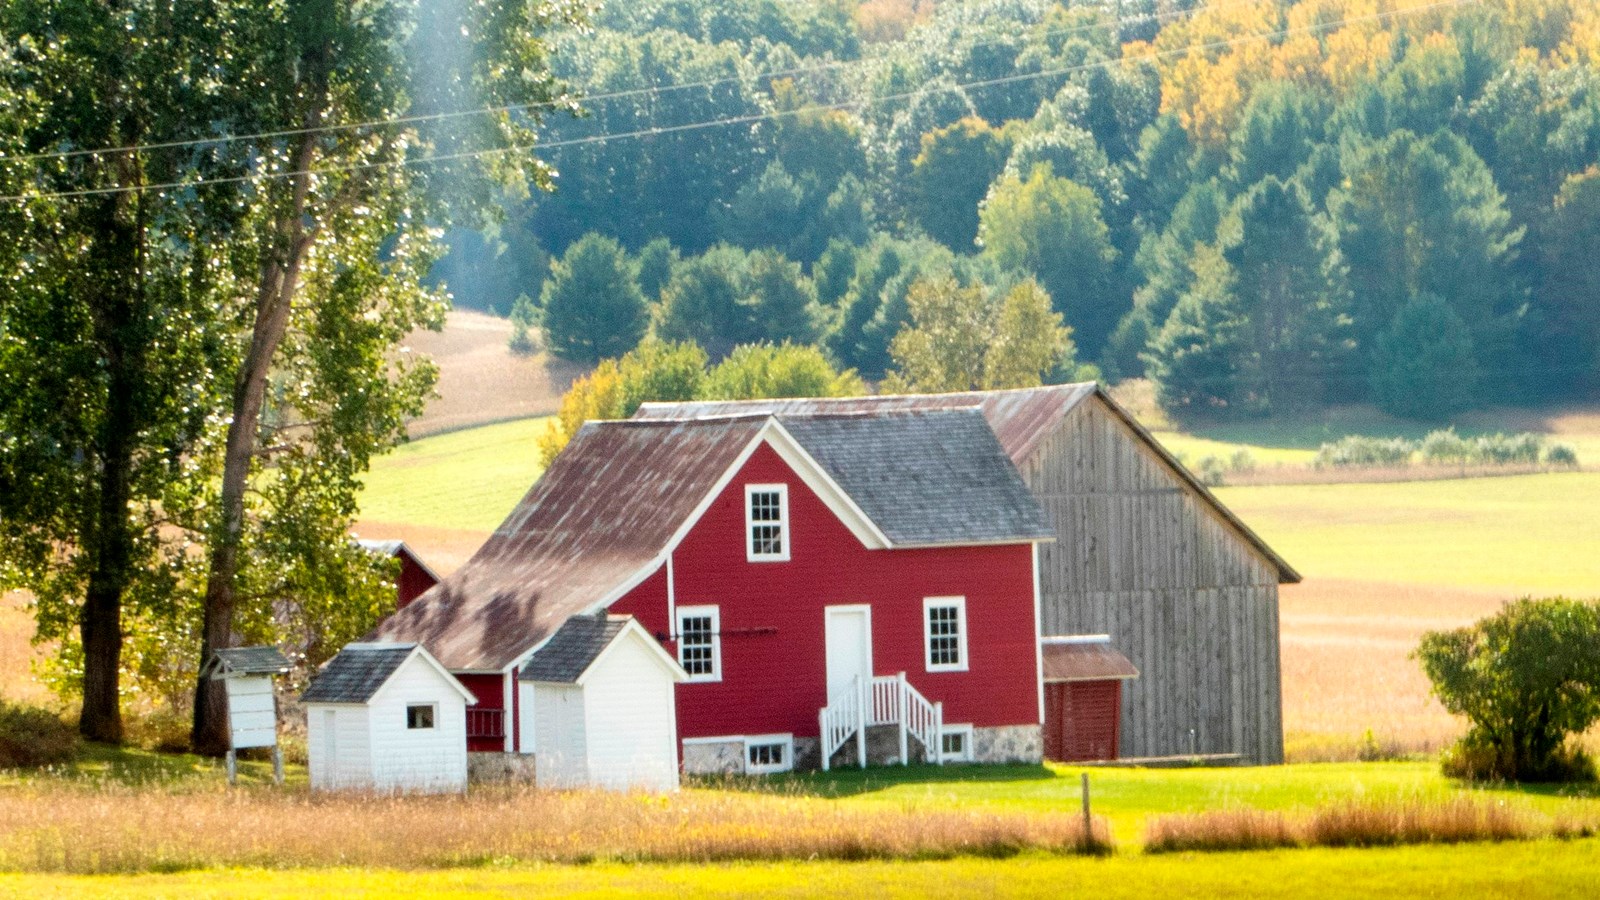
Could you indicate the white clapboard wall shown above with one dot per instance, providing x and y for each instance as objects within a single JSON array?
[{"x": 252, "y": 711}]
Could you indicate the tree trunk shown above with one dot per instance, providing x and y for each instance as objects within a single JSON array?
[{"x": 280, "y": 278}]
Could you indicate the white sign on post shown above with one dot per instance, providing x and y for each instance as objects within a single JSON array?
[{"x": 246, "y": 673}]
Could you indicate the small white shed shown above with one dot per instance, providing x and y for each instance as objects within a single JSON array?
[
  {"x": 603, "y": 715},
  {"x": 386, "y": 717}
]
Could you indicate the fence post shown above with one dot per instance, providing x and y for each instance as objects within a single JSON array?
[
  {"x": 824, "y": 738},
  {"x": 903, "y": 703},
  {"x": 863, "y": 697},
  {"x": 1088, "y": 833}
]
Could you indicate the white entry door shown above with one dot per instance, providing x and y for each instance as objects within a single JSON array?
[{"x": 849, "y": 646}]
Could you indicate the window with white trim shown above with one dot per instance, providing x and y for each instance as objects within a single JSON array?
[
  {"x": 420, "y": 716},
  {"x": 768, "y": 753},
  {"x": 766, "y": 522},
  {"x": 944, "y": 628},
  {"x": 955, "y": 743},
  {"x": 700, "y": 642}
]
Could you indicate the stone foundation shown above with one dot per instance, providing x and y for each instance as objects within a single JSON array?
[
  {"x": 1008, "y": 744},
  {"x": 488, "y": 768},
  {"x": 719, "y": 758}
]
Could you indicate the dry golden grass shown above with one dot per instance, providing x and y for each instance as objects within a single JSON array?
[
  {"x": 18, "y": 653},
  {"x": 481, "y": 380},
  {"x": 1359, "y": 823},
  {"x": 122, "y": 828}
]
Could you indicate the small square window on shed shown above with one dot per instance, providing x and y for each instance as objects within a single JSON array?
[
  {"x": 766, "y": 517},
  {"x": 419, "y": 715}
]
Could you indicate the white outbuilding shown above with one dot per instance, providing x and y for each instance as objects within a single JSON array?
[
  {"x": 601, "y": 696},
  {"x": 386, "y": 717}
]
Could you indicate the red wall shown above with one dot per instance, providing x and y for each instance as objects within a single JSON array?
[
  {"x": 773, "y": 665},
  {"x": 490, "y": 691},
  {"x": 413, "y": 581}
]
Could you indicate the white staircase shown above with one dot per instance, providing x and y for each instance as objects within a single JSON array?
[{"x": 881, "y": 700}]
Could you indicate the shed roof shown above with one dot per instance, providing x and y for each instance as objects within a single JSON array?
[
  {"x": 573, "y": 648},
  {"x": 247, "y": 661},
  {"x": 1092, "y": 659},
  {"x": 356, "y": 673},
  {"x": 1021, "y": 419},
  {"x": 924, "y": 477}
]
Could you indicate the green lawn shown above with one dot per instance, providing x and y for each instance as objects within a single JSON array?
[
  {"x": 1530, "y": 533},
  {"x": 1534, "y": 870},
  {"x": 466, "y": 479}
]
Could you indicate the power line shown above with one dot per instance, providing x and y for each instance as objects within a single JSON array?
[
  {"x": 655, "y": 131},
  {"x": 586, "y": 98}
]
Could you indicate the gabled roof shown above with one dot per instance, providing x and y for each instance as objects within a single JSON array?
[
  {"x": 580, "y": 643},
  {"x": 924, "y": 477},
  {"x": 234, "y": 661},
  {"x": 394, "y": 547},
  {"x": 622, "y": 494},
  {"x": 359, "y": 671},
  {"x": 1021, "y": 419}
]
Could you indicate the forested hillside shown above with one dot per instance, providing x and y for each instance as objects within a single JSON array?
[{"x": 1261, "y": 205}]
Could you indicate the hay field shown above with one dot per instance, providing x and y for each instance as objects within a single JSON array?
[{"x": 481, "y": 380}]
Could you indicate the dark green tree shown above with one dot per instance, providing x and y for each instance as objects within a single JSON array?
[
  {"x": 1525, "y": 678},
  {"x": 1424, "y": 366},
  {"x": 706, "y": 302},
  {"x": 1194, "y": 358},
  {"x": 593, "y": 308},
  {"x": 950, "y": 177}
]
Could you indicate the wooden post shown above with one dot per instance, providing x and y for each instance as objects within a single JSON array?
[
  {"x": 1087, "y": 823},
  {"x": 863, "y": 697},
  {"x": 233, "y": 766},
  {"x": 277, "y": 765},
  {"x": 822, "y": 742}
]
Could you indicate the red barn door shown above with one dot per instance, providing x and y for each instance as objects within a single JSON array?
[{"x": 1082, "y": 719}]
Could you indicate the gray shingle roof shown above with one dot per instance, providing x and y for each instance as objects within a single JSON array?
[
  {"x": 925, "y": 477},
  {"x": 573, "y": 648},
  {"x": 356, "y": 673},
  {"x": 249, "y": 661}
]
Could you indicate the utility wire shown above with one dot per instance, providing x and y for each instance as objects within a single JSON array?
[
  {"x": 585, "y": 98},
  {"x": 655, "y": 131}
]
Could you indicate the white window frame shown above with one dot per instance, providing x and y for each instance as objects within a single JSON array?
[
  {"x": 757, "y": 740},
  {"x": 965, "y": 731},
  {"x": 697, "y": 612},
  {"x": 960, "y": 605},
  {"x": 433, "y": 717},
  {"x": 750, "y": 554}
]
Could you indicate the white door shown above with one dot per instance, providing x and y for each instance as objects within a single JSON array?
[
  {"x": 562, "y": 759},
  {"x": 849, "y": 646}
]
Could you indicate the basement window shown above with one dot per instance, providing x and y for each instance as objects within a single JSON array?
[
  {"x": 955, "y": 743},
  {"x": 768, "y": 753},
  {"x": 419, "y": 716},
  {"x": 944, "y": 622},
  {"x": 766, "y": 520},
  {"x": 700, "y": 642}
]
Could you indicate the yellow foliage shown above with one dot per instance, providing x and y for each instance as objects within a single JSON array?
[{"x": 597, "y": 395}]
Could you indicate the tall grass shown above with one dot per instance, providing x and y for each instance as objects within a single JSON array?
[
  {"x": 1358, "y": 823},
  {"x": 131, "y": 828}
]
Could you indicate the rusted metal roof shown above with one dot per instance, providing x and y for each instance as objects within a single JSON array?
[
  {"x": 1084, "y": 658},
  {"x": 599, "y": 519},
  {"x": 1021, "y": 419}
]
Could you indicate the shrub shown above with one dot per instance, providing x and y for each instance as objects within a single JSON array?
[
  {"x": 31, "y": 737},
  {"x": 1446, "y": 448},
  {"x": 1507, "y": 449},
  {"x": 1357, "y": 451},
  {"x": 1210, "y": 471},
  {"x": 1242, "y": 462},
  {"x": 1526, "y": 678},
  {"x": 1561, "y": 455}
]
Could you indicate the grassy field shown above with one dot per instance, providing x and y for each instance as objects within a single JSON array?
[{"x": 1532, "y": 870}]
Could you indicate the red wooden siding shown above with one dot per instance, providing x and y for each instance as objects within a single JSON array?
[
  {"x": 773, "y": 663},
  {"x": 486, "y": 722},
  {"x": 413, "y": 580},
  {"x": 1082, "y": 719}
]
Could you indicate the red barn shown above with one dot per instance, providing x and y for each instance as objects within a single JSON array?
[
  {"x": 415, "y": 576},
  {"x": 837, "y": 587}
]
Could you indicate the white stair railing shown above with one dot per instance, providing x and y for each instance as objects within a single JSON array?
[
  {"x": 844, "y": 716},
  {"x": 882, "y": 700}
]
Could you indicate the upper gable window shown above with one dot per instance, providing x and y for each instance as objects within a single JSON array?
[{"x": 766, "y": 522}]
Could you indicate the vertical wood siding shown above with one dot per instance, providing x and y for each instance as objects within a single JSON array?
[{"x": 1143, "y": 558}]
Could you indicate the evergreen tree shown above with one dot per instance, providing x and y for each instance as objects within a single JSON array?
[{"x": 1423, "y": 366}]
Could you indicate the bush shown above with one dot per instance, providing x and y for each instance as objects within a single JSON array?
[
  {"x": 1507, "y": 449},
  {"x": 1561, "y": 455},
  {"x": 1527, "y": 678},
  {"x": 1211, "y": 471},
  {"x": 1242, "y": 462},
  {"x": 31, "y": 737},
  {"x": 1357, "y": 451},
  {"x": 1446, "y": 448}
]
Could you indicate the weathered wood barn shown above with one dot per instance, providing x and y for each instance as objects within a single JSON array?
[{"x": 1145, "y": 554}]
